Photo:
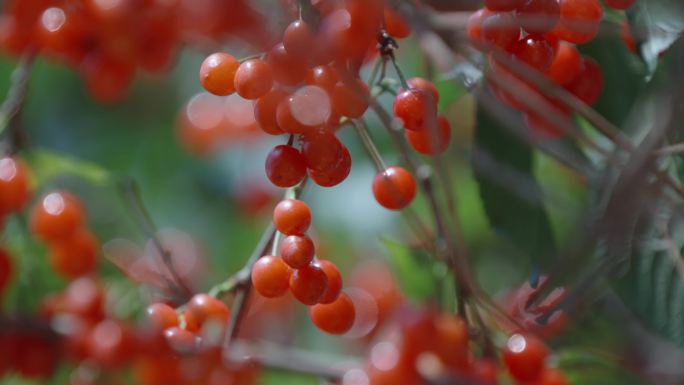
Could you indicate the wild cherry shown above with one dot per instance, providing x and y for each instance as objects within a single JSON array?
[
  {"x": 431, "y": 141},
  {"x": 415, "y": 108},
  {"x": 525, "y": 357},
  {"x": 56, "y": 215},
  {"x": 217, "y": 73},
  {"x": 309, "y": 284},
  {"x": 394, "y": 188},
  {"x": 285, "y": 166},
  {"x": 14, "y": 185},
  {"x": 292, "y": 217},
  {"x": 336, "y": 317},
  {"x": 334, "y": 281},
  {"x": 253, "y": 79},
  {"x": 271, "y": 276},
  {"x": 297, "y": 250}
]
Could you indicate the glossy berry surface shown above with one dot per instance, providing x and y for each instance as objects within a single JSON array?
[
  {"x": 285, "y": 166},
  {"x": 351, "y": 98},
  {"x": 425, "y": 86},
  {"x": 334, "y": 281},
  {"x": 524, "y": 357},
  {"x": 287, "y": 69},
  {"x": 299, "y": 38},
  {"x": 265, "y": 109},
  {"x": 334, "y": 174},
  {"x": 538, "y": 16},
  {"x": 271, "y": 276},
  {"x": 217, "y": 73},
  {"x": 253, "y": 79},
  {"x": 202, "y": 308},
  {"x": 394, "y": 188},
  {"x": 415, "y": 108},
  {"x": 56, "y": 215},
  {"x": 501, "y": 30},
  {"x": 180, "y": 340},
  {"x": 161, "y": 316},
  {"x": 297, "y": 250},
  {"x": 579, "y": 20},
  {"x": 336, "y": 317},
  {"x": 567, "y": 64},
  {"x": 534, "y": 51},
  {"x": 309, "y": 284},
  {"x": 292, "y": 217},
  {"x": 432, "y": 140},
  {"x": 588, "y": 85},
  {"x": 14, "y": 185}
]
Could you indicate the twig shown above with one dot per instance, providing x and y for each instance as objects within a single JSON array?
[
  {"x": 16, "y": 96},
  {"x": 674, "y": 149}
]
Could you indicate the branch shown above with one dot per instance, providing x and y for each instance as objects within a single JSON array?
[{"x": 16, "y": 96}]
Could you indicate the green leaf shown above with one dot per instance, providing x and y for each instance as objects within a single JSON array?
[
  {"x": 47, "y": 165},
  {"x": 510, "y": 194},
  {"x": 281, "y": 377},
  {"x": 413, "y": 269},
  {"x": 653, "y": 288},
  {"x": 583, "y": 366}
]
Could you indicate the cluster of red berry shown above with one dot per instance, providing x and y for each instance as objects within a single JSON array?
[
  {"x": 424, "y": 346},
  {"x": 542, "y": 34},
  {"x": 108, "y": 40},
  {"x": 314, "y": 282}
]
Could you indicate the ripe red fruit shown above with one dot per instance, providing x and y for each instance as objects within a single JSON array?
[
  {"x": 551, "y": 376},
  {"x": 395, "y": 24},
  {"x": 286, "y": 119},
  {"x": 84, "y": 297},
  {"x": 265, "y": 109},
  {"x": 579, "y": 20},
  {"x": 588, "y": 85},
  {"x": 503, "y": 5},
  {"x": 501, "y": 30},
  {"x": 6, "y": 270},
  {"x": 525, "y": 357},
  {"x": 292, "y": 217},
  {"x": 110, "y": 343},
  {"x": 452, "y": 340},
  {"x": 350, "y": 99},
  {"x": 74, "y": 255},
  {"x": 57, "y": 215},
  {"x": 181, "y": 340},
  {"x": 217, "y": 73},
  {"x": 538, "y": 16},
  {"x": 474, "y": 25},
  {"x": 336, "y": 317},
  {"x": 323, "y": 76},
  {"x": 426, "y": 86},
  {"x": 253, "y": 79},
  {"x": 619, "y": 4},
  {"x": 415, "y": 108},
  {"x": 299, "y": 38},
  {"x": 308, "y": 284},
  {"x": 567, "y": 64},
  {"x": 34, "y": 355},
  {"x": 321, "y": 149},
  {"x": 14, "y": 185},
  {"x": 333, "y": 175},
  {"x": 161, "y": 316},
  {"x": 394, "y": 188},
  {"x": 203, "y": 308},
  {"x": 285, "y": 166},
  {"x": 297, "y": 250},
  {"x": 535, "y": 51},
  {"x": 428, "y": 141},
  {"x": 627, "y": 36},
  {"x": 287, "y": 69},
  {"x": 334, "y": 281},
  {"x": 271, "y": 276},
  {"x": 107, "y": 77}
]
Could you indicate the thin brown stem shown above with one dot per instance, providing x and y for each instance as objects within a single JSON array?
[{"x": 16, "y": 97}]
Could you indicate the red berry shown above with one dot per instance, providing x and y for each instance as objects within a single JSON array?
[
  {"x": 350, "y": 99},
  {"x": 287, "y": 69},
  {"x": 539, "y": 16},
  {"x": 203, "y": 308},
  {"x": 299, "y": 38},
  {"x": 34, "y": 355},
  {"x": 181, "y": 340},
  {"x": 253, "y": 79},
  {"x": 297, "y": 250},
  {"x": 333, "y": 175},
  {"x": 551, "y": 376},
  {"x": 503, "y": 5},
  {"x": 431, "y": 141},
  {"x": 85, "y": 297},
  {"x": 525, "y": 357},
  {"x": 474, "y": 25},
  {"x": 14, "y": 185},
  {"x": 271, "y": 276},
  {"x": 426, "y": 86},
  {"x": 285, "y": 166},
  {"x": 74, "y": 255},
  {"x": 415, "y": 108},
  {"x": 619, "y": 4},
  {"x": 111, "y": 344},
  {"x": 161, "y": 316},
  {"x": 501, "y": 30},
  {"x": 334, "y": 281},
  {"x": 57, "y": 215},
  {"x": 566, "y": 65},
  {"x": 395, "y": 24},
  {"x": 452, "y": 340},
  {"x": 588, "y": 85},
  {"x": 323, "y": 76},
  {"x": 292, "y": 217},
  {"x": 321, "y": 149},
  {"x": 107, "y": 77},
  {"x": 217, "y": 73},
  {"x": 6, "y": 270},
  {"x": 394, "y": 188},
  {"x": 579, "y": 20},
  {"x": 336, "y": 317},
  {"x": 535, "y": 51},
  {"x": 627, "y": 36},
  {"x": 308, "y": 284},
  {"x": 265, "y": 109}
]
